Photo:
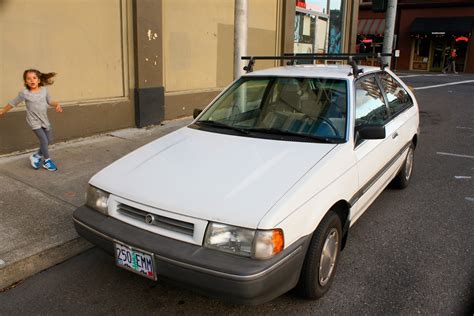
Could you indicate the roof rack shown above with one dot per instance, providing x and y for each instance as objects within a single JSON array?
[{"x": 293, "y": 58}]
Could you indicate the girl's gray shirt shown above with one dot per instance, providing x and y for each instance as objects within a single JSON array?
[{"x": 36, "y": 107}]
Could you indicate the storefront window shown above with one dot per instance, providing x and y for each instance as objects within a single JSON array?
[
  {"x": 304, "y": 28},
  {"x": 422, "y": 54},
  {"x": 335, "y": 26},
  {"x": 318, "y": 5},
  {"x": 319, "y": 26}
]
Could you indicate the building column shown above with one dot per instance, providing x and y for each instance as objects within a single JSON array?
[
  {"x": 148, "y": 62},
  {"x": 352, "y": 19},
  {"x": 288, "y": 26}
]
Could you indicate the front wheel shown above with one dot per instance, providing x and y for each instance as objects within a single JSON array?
[
  {"x": 402, "y": 179},
  {"x": 321, "y": 259}
]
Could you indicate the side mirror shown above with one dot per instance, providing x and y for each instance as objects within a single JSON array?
[
  {"x": 196, "y": 112},
  {"x": 412, "y": 89},
  {"x": 371, "y": 132}
]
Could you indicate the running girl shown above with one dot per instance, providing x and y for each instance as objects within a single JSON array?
[{"x": 37, "y": 99}]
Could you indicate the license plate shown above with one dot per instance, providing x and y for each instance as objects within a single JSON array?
[{"x": 135, "y": 260}]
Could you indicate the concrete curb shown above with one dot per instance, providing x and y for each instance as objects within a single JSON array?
[{"x": 40, "y": 261}]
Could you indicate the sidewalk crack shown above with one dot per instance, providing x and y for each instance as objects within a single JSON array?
[{"x": 119, "y": 137}]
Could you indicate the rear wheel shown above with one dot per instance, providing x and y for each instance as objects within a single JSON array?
[
  {"x": 402, "y": 179},
  {"x": 321, "y": 259}
]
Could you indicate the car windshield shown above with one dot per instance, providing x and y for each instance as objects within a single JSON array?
[{"x": 306, "y": 108}]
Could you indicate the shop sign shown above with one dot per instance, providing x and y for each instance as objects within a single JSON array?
[
  {"x": 462, "y": 38},
  {"x": 438, "y": 33}
]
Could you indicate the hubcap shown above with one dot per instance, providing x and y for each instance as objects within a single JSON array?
[
  {"x": 409, "y": 164},
  {"x": 328, "y": 256}
]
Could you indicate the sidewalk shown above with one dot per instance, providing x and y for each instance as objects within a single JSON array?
[{"x": 36, "y": 228}]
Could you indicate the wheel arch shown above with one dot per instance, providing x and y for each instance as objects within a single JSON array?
[
  {"x": 342, "y": 209},
  {"x": 415, "y": 140}
]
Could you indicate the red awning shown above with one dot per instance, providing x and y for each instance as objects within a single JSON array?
[{"x": 371, "y": 26}]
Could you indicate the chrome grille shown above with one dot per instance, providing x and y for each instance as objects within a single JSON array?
[{"x": 159, "y": 221}]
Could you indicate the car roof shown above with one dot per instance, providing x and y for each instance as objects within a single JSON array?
[{"x": 323, "y": 71}]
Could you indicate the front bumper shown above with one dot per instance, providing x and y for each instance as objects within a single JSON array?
[{"x": 233, "y": 278}]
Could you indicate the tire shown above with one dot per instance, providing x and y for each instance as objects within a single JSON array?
[
  {"x": 318, "y": 270},
  {"x": 402, "y": 179}
]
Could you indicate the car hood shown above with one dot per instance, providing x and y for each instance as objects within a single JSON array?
[{"x": 212, "y": 176}]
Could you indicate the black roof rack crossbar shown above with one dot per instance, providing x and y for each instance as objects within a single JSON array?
[{"x": 293, "y": 57}]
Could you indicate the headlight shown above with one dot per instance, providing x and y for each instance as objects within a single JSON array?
[
  {"x": 97, "y": 199},
  {"x": 259, "y": 244}
]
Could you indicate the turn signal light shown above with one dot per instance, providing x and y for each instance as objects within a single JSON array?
[{"x": 268, "y": 243}]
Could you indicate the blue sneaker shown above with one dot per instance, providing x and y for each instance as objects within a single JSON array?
[
  {"x": 49, "y": 165},
  {"x": 35, "y": 160}
]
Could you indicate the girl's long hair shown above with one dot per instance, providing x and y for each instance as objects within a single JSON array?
[{"x": 46, "y": 79}]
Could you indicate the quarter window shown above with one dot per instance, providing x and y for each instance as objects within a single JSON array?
[
  {"x": 370, "y": 105},
  {"x": 397, "y": 97}
]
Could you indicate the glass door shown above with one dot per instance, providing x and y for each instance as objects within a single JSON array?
[{"x": 438, "y": 54}]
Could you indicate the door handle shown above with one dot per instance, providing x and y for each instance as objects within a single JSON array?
[{"x": 394, "y": 135}]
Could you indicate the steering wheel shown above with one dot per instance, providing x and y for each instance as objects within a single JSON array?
[{"x": 327, "y": 122}]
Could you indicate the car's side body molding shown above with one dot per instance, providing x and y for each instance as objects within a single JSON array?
[{"x": 377, "y": 176}]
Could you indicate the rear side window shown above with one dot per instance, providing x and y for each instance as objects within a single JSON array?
[
  {"x": 370, "y": 105},
  {"x": 397, "y": 97}
]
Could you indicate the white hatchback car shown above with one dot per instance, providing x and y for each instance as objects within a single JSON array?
[{"x": 256, "y": 195}]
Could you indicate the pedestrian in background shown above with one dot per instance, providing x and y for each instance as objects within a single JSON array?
[
  {"x": 451, "y": 62},
  {"x": 37, "y": 100}
]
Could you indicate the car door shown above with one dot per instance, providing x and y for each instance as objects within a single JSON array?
[
  {"x": 399, "y": 102},
  {"x": 375, "y": 156}
]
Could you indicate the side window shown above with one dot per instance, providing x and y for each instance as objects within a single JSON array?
[
  {"x": 370, "y": 106},
  {"x": 398, "y": 98}
]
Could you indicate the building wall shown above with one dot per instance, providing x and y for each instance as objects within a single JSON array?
[
  {"x": 117, "y": 59},
  {"x": 58, "y": 37},
  {"x": 85, "y": 42},
  {"x": 407, "y": 16},
  {"x": 198, "y": 43},
  {"x": 409, "y": 10}
]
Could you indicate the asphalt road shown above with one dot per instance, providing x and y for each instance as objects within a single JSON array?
[{"x": 411, "y": 252}]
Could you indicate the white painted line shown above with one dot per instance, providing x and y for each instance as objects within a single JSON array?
[
  {"x": 410, "y": 76},
  {"x": 462, "y": 177},
  {"x": 463, "y": 127},
  {"x": 455, "y": 155},
  {"x": 444, "y": 84},
  {"x": 471, "y": 199}
]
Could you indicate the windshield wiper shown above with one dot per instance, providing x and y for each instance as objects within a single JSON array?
[
  {"x": 222, "y": 125},
  {"x": 275, "y": 131}
]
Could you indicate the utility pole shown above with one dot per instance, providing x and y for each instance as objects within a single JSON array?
[
  {"x": 240, "y": 36},
  {"x": 390, "y": 17}
]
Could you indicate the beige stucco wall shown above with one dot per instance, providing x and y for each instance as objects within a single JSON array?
[
  {"x": 198, "y": 39},
  {"x": 81, "y": 40}
]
